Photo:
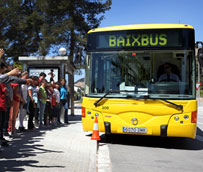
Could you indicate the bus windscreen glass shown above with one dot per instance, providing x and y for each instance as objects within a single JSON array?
[{"x": 157, "y": 74}]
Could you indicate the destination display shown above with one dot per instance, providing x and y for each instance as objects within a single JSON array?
[{"x": 137, "y": 39}]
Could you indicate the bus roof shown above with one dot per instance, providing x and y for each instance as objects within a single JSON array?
[{"x": 142, "y": 26}]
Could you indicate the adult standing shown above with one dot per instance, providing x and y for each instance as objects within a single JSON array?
[
  {"x": 4, "y": 79},
  {"x": 14, "y": 109},
  {"x": 63, "y": 101},
  {"x": 3, "y": 94},
  {"x": 9, "y": 100},
  {"x": 23, "y": 104},
  {"x": 7, "y": 78}
]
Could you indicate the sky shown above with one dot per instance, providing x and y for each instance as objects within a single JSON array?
[{"x": 124, "y": 12}]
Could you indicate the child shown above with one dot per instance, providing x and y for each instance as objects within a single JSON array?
[
  {"x": 47, "y": 114},
  {"x": 42, "y": 100},
  {"x": 33, "y": 97},
  {"x": 56, "y": 102}
]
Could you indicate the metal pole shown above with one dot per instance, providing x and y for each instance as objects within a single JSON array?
[
  {"x": 62, "y": 70},
  {"x": 198, "y": 80},
  {"x": 24, "y": 66}
]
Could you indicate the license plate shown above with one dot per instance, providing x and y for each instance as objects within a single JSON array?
[{"x": 134, "y": 130}]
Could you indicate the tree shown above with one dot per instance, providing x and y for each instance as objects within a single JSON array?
[
  {"x": 72, "y": 23},
  {"x": 20, "y": 30},
  {"x": 36, "y": 27}
]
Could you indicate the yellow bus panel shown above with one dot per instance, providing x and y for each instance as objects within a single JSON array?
[
  {"x": 143, "y": 117},
  {"x": 142, "y": 26}
]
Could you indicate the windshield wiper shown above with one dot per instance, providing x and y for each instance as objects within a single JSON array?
[
  {"x": 109, "y": 92},
  {"x": 142, "y": 97},
  {"x": 169, "y": 102},
  {"x": 174, "y": 104}
]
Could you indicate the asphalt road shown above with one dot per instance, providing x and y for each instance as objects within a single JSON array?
[{"x": 144, "y": 153}]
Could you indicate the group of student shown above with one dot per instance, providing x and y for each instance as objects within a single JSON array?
[{"x": 21, "y": 95}]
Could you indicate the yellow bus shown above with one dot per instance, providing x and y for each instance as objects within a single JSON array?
[{"x": 140, "y": 79}]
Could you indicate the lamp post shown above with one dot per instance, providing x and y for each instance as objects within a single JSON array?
[{"x": 62, "y": 51}]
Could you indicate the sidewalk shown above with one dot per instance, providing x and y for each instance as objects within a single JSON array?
[
  {"x": 65, "y": 148},
  {"x": 200, "y": 103}
]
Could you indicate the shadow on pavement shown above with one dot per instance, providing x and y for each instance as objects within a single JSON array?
[
  {"x": 154, "y": 141},
  {"x": 78, "y": 107},
  {"x": 74, "y": 117},
  {"x": 26, "y": 145},
  {"x": 199, "y": 132},
  {"x": 18, "y": 156}
]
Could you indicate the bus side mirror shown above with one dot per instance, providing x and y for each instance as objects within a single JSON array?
[{"x": 200, "y": 56}]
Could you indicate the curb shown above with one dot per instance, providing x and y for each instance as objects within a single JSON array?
[
  {"x": 93, "y": 156},
  {"x": 104, "y": 161}
]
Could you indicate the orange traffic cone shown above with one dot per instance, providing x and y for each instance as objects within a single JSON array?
[{"x": 95, "y": 132}]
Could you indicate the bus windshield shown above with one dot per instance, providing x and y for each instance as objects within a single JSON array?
[{"x": 160, "y": 74}]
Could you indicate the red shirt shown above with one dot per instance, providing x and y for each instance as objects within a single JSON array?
[
  {"x": 2, "y": 97},
  {"x": 15, "y": 97},
  {"x": 40, "y": 80},
  {"x": 53, "y": 100}
]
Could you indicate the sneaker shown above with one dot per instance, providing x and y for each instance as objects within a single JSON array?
[
  {"x": 4, "y": 140},
  {"x": 41, "y": 126},
  {"x": 31, "y": 129},
  {"x": 36, "y": 123},
  {"x": 14, "y": 135},
  {"x": 4, "y": 143},
  {"x": 21, "y": 129},
  {"x": 6, "y": 134}
]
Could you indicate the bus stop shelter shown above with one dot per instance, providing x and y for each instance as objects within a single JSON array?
[{"x": 36, "y": 64}]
